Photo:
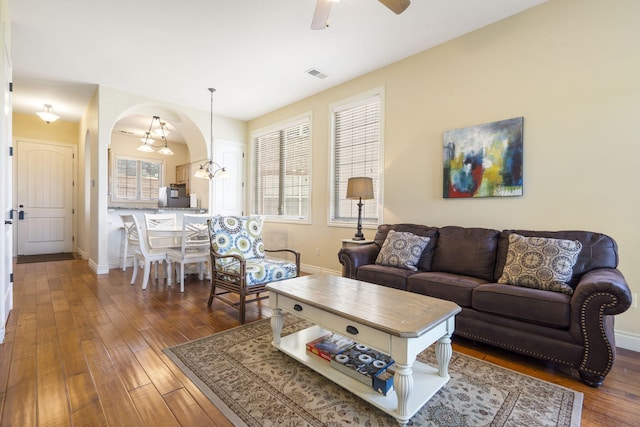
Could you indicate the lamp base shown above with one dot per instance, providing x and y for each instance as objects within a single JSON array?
[{"x": 358, "y": 237}]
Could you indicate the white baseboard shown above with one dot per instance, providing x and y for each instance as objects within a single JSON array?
[
  {"x": 628, "y": 340},
  {"x": 312, "y": 269}
]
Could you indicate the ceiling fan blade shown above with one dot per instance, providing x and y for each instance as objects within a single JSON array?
[
  {"x": 397, "y": 6},
  {"x": 321, "y": 15}
]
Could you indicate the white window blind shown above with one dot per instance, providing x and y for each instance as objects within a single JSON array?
[
  {"x": 282, "y": 171},
  {"x": 356, "y": 143},
  {"x": 137, "y": 179}
]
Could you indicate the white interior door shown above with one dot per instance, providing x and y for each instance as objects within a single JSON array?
[
  {"x": 228, "y": 192},
  {"x": 45, "y": 198},
  {"x": 6, "y": 182}
]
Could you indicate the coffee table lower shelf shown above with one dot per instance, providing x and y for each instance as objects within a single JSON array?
[{"x": 426, "y": 381}]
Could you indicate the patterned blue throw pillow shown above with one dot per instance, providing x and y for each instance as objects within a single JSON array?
[{"x": 402, "y": 249}]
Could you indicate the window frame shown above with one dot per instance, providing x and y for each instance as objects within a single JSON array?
[
  {"x": 138, "y": 197},
  {"x": 300, "y": 119},
  {"x": 346, "y": 221}
]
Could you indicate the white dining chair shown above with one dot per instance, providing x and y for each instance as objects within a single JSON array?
[
  {"x": 194, "y": 248},
  {"x": 162, "y": 230},
  {"x": 145, "y": 255},
  {"x": 128, "y": 224}
]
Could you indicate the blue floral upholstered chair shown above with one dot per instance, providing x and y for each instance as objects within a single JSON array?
[{"x": 239, "y": 261}]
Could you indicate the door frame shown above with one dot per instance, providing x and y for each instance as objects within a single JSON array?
[{"x": 74, "y": 187}]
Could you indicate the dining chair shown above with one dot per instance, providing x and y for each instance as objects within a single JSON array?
[
  {"x": 127, "y": 222},
  {"x": 159, "y": 230},
  {"x": 194, "y": 247},
  {"x": 145, "y": 255},
  {"x": 239, "y": 261}
]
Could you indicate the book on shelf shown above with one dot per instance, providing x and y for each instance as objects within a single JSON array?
[{"x": 328, "y": 345}]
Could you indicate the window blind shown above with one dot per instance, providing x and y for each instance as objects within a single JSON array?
[
  {"x": 137, "y": 179},
  {"x": 356, "y": 142},
  {"x": 282, "y": 171}
]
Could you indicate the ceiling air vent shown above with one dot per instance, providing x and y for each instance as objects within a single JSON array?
[{"x": 315, "y": 73}]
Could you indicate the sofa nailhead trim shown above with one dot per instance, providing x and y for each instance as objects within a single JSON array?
[
  {"x": 583, "y": 310},
  {"x": 510, "y": 347}
]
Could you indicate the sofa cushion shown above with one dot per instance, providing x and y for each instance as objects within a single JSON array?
[
  {"x": 237, "y": 235},
  {"x": 466, "y": 251},
  {"x": 419, "y": 230},
  {"x": 540, "y": 263},
  {"x": 392, "y": 277},
  {"x": 452, "y": 287},
  {"x": 401, "y": 249},
  {"x": 598, "y": 250},
  {"x": 531, "y": 305}
]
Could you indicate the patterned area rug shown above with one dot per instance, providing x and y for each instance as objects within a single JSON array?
[{"x": 255, "y": 385}]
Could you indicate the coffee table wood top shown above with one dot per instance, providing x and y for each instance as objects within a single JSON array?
[{"x": 400, "y": 313}]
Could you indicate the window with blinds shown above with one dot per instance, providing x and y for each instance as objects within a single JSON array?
[
  {"x": 282, "y": 181},
  {"x": 356, "y": 152},
  {"x": 137, "y": 179}
]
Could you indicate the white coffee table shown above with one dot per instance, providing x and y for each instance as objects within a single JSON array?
[{"x": 395, "y": 322}]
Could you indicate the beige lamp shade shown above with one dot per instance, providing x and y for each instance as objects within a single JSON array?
[{"x": 360, "y": 187}]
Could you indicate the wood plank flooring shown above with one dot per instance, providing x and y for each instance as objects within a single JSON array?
[{"x": 86, "y": 350}]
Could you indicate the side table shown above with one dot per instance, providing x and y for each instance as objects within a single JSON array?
[{"x": 350, "y": 242}]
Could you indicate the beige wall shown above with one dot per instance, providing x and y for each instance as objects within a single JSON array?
[
  {"x": 569, "y": 67},
  {"x": 30, "y": 126}
]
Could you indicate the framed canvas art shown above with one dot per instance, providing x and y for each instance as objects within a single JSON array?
[{"x": 484, "y": 160}]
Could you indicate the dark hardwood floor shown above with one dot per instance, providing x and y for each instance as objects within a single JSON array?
[{"x": 86, "y": 350}]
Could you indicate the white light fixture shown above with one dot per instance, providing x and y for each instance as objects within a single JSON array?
[
  {"x": 209, "y": 169},
  {"x": 47, "y": 114},
  {"x": 147, "y": 141}
]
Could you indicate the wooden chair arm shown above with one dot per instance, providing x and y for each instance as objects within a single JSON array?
[
  {"x": 218, "y": 256},
  {"x": 295, "y": 253}
]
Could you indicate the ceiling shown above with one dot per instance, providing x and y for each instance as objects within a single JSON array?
[{"x": 256, "y": 53}]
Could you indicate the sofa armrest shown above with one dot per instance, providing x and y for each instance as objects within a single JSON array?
[
  {"x": 355, "y": 256},
  {"x": 599, "y": 295}
]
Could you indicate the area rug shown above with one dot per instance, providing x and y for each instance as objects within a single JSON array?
[
  {"x": 255, "y": 385},
  {"x": 27, "y": 259}
]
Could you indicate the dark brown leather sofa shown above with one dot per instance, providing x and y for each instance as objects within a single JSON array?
[{"x": 463, "y": 265}]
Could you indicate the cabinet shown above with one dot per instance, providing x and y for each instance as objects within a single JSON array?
[{"x": 183, "y": 175}]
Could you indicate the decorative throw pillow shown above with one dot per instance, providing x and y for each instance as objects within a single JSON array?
[
  {"x": 540, "y": 263},
  {"x": 402, "y": 249},
  {"x": 238, "y": 235}
]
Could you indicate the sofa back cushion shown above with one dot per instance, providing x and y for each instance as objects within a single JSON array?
[
  {"x": 467, "y": 251},
  {"x": 598, "y": 250},
  {"x": 424, "y": 264}
]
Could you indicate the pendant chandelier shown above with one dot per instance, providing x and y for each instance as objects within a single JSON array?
[
  {"x": 210, "y": 169},
  {"x": 148, "y": 142}
]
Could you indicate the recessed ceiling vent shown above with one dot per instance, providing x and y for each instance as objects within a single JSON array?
[{"x": 315, "y": 73}]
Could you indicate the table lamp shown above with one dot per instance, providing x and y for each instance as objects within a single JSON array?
[{"x": 360, "y": 187}]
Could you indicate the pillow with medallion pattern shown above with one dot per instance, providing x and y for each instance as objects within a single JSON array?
[
  {"x": 540, "y": 263},
  {"x": 402, "y": 249}
]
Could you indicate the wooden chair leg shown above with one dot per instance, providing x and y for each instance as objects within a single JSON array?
[
  {"x": 242, "y": 308},
  {"x": 213, "y": 292}
]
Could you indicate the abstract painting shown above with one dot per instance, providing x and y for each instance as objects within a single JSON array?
[{"x": 484, "y": 160}]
